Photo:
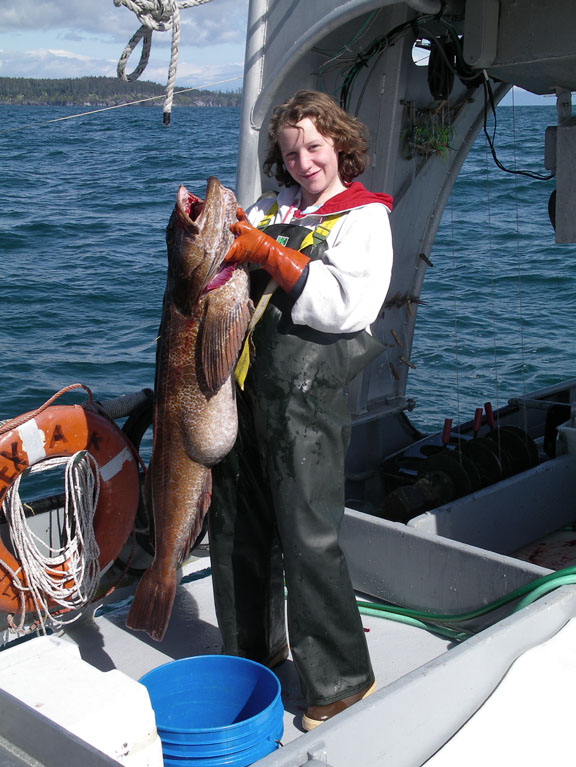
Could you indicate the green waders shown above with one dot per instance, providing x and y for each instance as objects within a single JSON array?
[{"x": 278, "y": 502}]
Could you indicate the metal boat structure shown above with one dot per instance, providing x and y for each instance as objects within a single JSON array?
[{"x": 467, "y": 532}]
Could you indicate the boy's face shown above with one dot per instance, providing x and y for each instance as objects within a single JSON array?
[{"x": 312, "y": 161}]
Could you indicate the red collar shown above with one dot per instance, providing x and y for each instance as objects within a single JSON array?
[{"x": 354, "y": 196}]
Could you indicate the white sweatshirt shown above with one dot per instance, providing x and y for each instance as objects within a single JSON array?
[{"x": 346, "y": 288}]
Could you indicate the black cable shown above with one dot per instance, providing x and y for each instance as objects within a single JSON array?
[
  {"x": 364, "y": 56},
  {"x": 468, "y": 76},
  {"x": 489, "y": 100}
]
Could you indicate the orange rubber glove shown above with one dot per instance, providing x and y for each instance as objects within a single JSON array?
[{"x": 283, "y": 264}]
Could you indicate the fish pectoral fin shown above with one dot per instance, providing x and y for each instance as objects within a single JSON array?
[{"x": 220, "y": 340}]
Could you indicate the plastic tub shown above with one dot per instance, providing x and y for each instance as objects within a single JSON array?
[{"x": 214, "y": 710}]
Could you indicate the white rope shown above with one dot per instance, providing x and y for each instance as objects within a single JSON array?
[
  {"x": 158, "y": 16},
  {"x": 40, "y": 562}
]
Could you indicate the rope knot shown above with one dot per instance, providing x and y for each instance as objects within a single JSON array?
[{"x": 154, "y": 16}]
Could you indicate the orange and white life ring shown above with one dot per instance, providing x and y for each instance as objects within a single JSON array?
[{"x": 61, "y": 431}]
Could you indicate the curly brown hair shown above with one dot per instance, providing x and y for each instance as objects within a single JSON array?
[{"x": 348, "y": 133}]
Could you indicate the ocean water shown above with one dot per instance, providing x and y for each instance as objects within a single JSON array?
[
  {"x": 500, "y": 299},
  {"x": 84, "y": 206},
  {"x": 85, "y": 203}
]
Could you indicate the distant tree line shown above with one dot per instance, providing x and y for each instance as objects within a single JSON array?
[{"x": 102, "y": 91}]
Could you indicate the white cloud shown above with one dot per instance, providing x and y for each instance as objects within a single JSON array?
[
  {"x": 194, "y": 76},
  {"x": 216, "y": 22},
  {"x": 62, "y": 54},
  {"x": 55, "y": 63},
  {"x": 44, "y": 62},
  {"x": 75, "y": 38}
]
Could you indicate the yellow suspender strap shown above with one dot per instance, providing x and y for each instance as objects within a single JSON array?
[
  {"x": 243, "y": 364},
  {"x": 269, "y": 216},
  {"x": 313, "y": 238},
  {"x": 321, "y": 232}
]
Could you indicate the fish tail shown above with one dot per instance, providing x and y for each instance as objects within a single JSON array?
[{"x": 152, "y": 605}]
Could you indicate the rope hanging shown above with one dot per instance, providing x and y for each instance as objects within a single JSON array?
[
  {"x": 159, "y": 16},
  {"x": 41, "y": 563}
]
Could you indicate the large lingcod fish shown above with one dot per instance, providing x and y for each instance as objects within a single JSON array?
[{"x": 205, "y": 314}]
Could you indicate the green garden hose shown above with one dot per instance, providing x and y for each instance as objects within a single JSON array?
[{"x": 526, "y": 595}]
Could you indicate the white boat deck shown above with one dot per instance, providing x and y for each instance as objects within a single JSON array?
[
  {"x": 106, "y": 643},
  {"x": 425, "y": 693}
]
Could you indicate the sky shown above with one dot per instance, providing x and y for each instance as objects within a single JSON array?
[
  {"x": 519, "y": 97},
  {"x": 75, "y": 38}
]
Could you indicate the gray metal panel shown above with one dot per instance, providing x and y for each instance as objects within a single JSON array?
[
  {"x": 506, "y": 516},
  {"x": 10, "y": 756},
  {"x": 398, "y": 564},
  {"x": 565, "y": 182},
  {"x": 532, "y": 46}
]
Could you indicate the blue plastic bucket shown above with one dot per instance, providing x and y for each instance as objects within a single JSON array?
[{"x": 214, "y": 710}]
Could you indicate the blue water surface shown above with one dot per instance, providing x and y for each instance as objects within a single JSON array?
[
  {"x": 500, "y": 300},
  {"x": 85, "y": 203}
]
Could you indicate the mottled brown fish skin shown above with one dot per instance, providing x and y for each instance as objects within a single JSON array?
[{"x": 195, "y": 419}]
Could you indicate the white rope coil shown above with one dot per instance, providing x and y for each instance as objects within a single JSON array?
[
  {"x": 73, "y": 587},
  {"x": 155, "y": 16}
]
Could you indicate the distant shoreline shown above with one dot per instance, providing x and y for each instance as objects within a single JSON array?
[
  {"x": 105, "y": 104},
  {"x": 102, "y": 92}
]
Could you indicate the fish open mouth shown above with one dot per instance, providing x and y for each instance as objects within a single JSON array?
[{"x": 193, "y": 207}]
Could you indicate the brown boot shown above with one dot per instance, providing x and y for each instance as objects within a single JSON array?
[
  {"x": 315, "y": 715},
  {"x": 278, "y": 657}
]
